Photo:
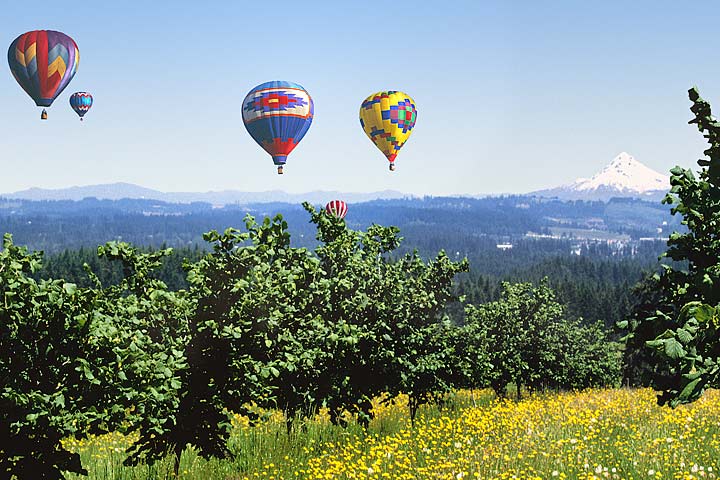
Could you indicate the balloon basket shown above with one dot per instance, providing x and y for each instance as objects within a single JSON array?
[
  {"x": 280, "y": 169},
  {"x": 392, "y": 167},
  {"x": 43, "y": 115},
  {"x": 81, "y": 119}
]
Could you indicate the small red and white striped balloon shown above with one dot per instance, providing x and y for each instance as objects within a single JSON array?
[{"x": 337, "y": 208}]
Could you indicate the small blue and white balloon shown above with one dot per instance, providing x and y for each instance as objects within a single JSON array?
[{"x": 81, "y": 103}]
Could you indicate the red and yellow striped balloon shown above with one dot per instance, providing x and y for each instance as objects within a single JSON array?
[{"x": 43, "y": 62}]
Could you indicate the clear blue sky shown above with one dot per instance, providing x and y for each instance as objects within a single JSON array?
[{"x": 512, "y": 96}]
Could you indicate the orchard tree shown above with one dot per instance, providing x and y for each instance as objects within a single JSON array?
[
  {"x": 516, "y": 331},
  {"x": 424, "y": 360},
  {"x": 44, "y": 389},
  {"x": 141, "y": 307},
  {"x": 679, "y": 339},
  {"x": 529, "y": 342},
  {"x": 239, "y": 296},
  {"x": 284, "y": 296},
  {"x": 72, "y": 360},
  {"x": 384, "y": 315},
  {"x": 471, "y": 366},
  {"x": 360, "y": 282},
  {"x": 579, "y": 356}
]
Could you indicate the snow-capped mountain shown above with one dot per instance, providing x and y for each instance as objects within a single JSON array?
[{"x": 623, "y": 177}]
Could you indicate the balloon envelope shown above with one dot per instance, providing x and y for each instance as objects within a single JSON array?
[
  {"x": 43, "y": 62},
  {"x": 277, "y": 116},
  {"x": 81, "y": 103},
  {"x": 338, "y": 208},
  {"x": 388, "y": 119}
]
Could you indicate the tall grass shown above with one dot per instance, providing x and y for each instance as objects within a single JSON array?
[{"x": 592, "y": 434}]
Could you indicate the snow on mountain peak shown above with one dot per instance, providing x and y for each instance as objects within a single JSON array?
[{"x": 624, "y": 174}]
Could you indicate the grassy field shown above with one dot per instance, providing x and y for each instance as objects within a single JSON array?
[{"x": 600, "y": 434}]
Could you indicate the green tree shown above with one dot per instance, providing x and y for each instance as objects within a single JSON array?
[
  {"x": 528, "y": 341},
  {"x": 284, "y": 295},
  {"x": 388, "y": 333},
  {"x": 154, "y": 322},
  {"x": 424, "y": 358},
  {"x": 681, "y": 337},
  {"x": 355, "y": 312},
  {"x": 516, "y": 331},
  {"x": 71, "y": 360},
  {"x": 237, "y": 299},
  {"x": 42, "y": 398},
  {"x": 579, "y": 356}
]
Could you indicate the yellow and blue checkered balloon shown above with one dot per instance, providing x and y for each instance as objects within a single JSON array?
[{"x": 388, "y": 119}]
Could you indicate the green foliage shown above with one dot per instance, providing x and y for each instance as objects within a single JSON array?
[
  {"x": 355, "y": 312},
  {"x": 588, "y": 287},
  {"x": 640, "y": 362},
  {"x": 72, "y": 361},
  {"x": 675, "y": 337},
  {"x": 387, "y": 334},
  {"x": 261, "y": 325},
  {"x": 247, "y": 308},
  {"x": 69, "y": 264},
  {"x": 43, "y": 328},
  {"x": 259, "y": 301},
  {"x": 579, "y": 356},
  {"x": 151, "y": 328},
  {"x": 529, "y": 343},
  {"x": 516, "y": 330},
  {"x": 424, "y": 358}
]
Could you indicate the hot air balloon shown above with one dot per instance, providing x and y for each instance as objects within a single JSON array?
[
  {"x": 388, "y": 119},
  {"x": 43, "y": 62},
  {"x": 81, "y": 103},
  {"x": 337, "y": 208},
  {"x": 277, "y": 116}
]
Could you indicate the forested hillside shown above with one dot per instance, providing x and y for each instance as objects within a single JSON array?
[
  {"x": 596, "y": 285},
  {"x": 592, "y": 272},
  {"x": 463, "y": 225}
]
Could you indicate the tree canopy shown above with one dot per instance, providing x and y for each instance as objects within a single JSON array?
[{"x": 675, "y": 337}]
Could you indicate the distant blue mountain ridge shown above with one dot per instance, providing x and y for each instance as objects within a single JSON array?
[
  {"x": 623, "y": 177},
  {"x": 118, "y": 191}
]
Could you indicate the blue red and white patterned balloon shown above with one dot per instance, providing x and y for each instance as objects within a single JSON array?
[
  {"x": 336, "y": 208},
  {"x": 81, "y": 103},
  {"x": 277, "y": 115}
]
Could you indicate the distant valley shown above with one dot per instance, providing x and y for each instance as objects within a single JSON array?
[
  {"x": 614, "y": 214},
  {"x": 492, "y": 232}
]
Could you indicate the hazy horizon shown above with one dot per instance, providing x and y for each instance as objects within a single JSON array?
[
  {"x": 512, "y": 97},
  {"x": 131, "y": 184}
]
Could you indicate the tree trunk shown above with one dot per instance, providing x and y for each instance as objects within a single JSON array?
[
  {"x": 518, "y": 385},
  {"x": 178, "y": 454},
  {"x": 289, "y": 425},
  {"x": 413, "y": 404}
]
